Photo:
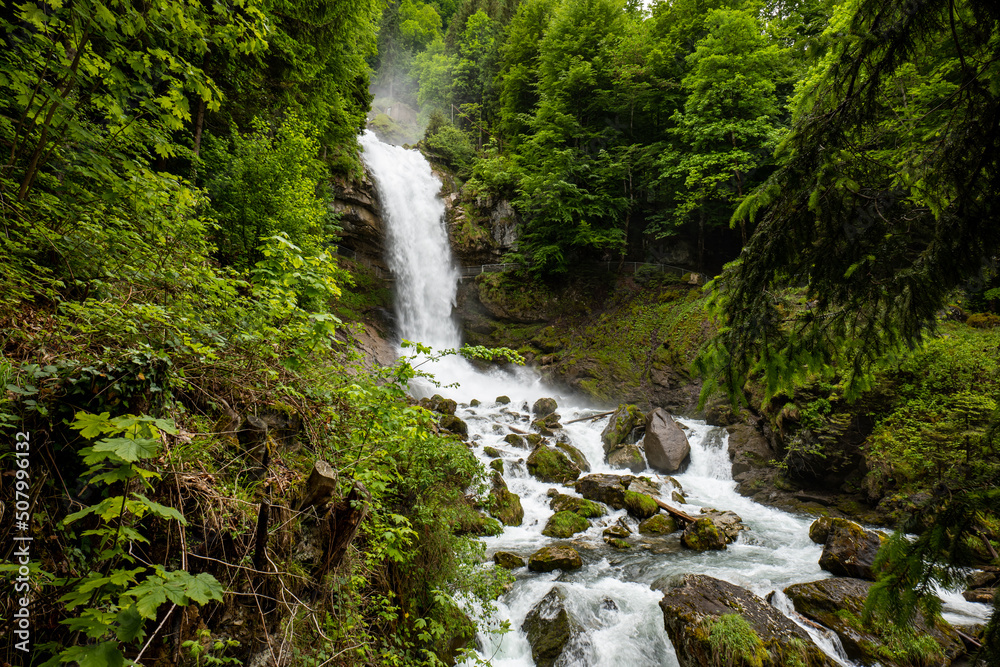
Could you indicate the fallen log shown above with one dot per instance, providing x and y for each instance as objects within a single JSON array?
[
  {"x": 597, "y": 416},
  {"x": 674, "y": 512}
]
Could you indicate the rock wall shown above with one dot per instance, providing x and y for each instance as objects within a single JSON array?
[{"x": 360, "y": 210}]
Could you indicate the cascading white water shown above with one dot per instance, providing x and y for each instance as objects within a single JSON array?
[
  {"x": 419, "y": 253},
  {"x": 611, "y": 595}
]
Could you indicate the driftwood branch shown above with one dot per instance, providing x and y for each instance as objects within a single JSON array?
[
  {"x": 343, "y": 521},
  {"x": 674, "y": 512},
  {"x": 597, "y": 416}
]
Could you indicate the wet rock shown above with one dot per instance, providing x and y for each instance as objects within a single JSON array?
[
  {"x": 624, "y": 420},
  {"x": 697, "y": 608},
  {"x": 617, "y": 530},
  {"x": 667, "y": 448},
  {"x": 454, "y": 424},
  {"x": 474, "y": 403},
  {"x": 565, "y": 524},
  {"x": 627, "y": 457},
  {"x": 604, "y": 488},
  {"x": 729, "y": 523},
  {"x": 658, "y": 524},
  {"x": 533, "y": 439},
  {"x": 640, "y": 505},
  {"x": 819, "y": 530},
  {"x": 703, "y": 535},
  {"x": 586, "y": 508},
  {"x": 554, "y": 557},
  {"x": 980, "y": 595},
  {"x": 515, "y": 440},
  {"x": 645, "y": 485},
  {"x": 503, "y": 400},
  {"x": 504, "y": 505},
  {"x": 616, "y": 542},
  {"x": 748, "y": 448},
  {"x": 552, "y": 465},
  {"x": 492, "y": 452},
  {"x": 544, "y": 407},
  {"x": 574, "y": 454},
  {"x": 547, "y": 426},
  {"x": 496, "y": 465},
  {"x": 838, "y": 603},
  {"x": 849, "y": 550},
  {"x": 508, "y": 560},
  {"x": 439, "y": 404},
  {"x": 478, "y": 524},
  {"x": 550, "y": 628}
]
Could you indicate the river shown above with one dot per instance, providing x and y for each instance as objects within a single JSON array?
[{"x": 611, "y": 594}]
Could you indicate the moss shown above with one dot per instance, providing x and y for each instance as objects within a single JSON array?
[
  {"x": 735, "y": 642},
  {"x": 551, "y": 465},
  {"x": 640, "y": 505},
  {"x": 565, "y": 524},
  {"x": 703, "y": 535},
  {"x": 617, "y": 542},
  {"x": 658, "y": 524}
]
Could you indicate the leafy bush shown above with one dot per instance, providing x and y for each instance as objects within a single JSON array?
[
  {"x": 450, "y": 145},
  {"x": 983, "y": 320}
]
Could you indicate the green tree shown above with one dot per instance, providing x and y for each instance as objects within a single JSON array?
[{"x": 727, "y": 128}]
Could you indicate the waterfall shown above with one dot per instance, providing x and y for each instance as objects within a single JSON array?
[
  {"x": 419, "y": 251},
  {"x": 611, "y": 595}
]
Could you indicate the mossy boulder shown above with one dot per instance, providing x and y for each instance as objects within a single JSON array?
[
  {"x": 496, "y": 465},
  {"x": 503, "y": 400},
  {"x": 515, "y": 440},
  {"x": 508, "y": 560},
  {"x": 640, "y": 505},
  {"x": 547, "y": 426},
  {"x": 533, "y": 439},
  {"x": 616, "y": 530},
  {"x": 849, "y": 549},
  {"x": 604, "y": 488},
  {"x": 729, "y": 523},
  {"x": 474, "y": 523},
  {"x": 454, "y": 425},
  {"x": 627, "y": 457},
  {"x": 624, "y": 420},
  {"x": 555, "y": 557},
  {"x": 703, "y": 535},
  {"x": 552, "y": 465},
  {"x": 574, "y": 454},
  {"x": 544, "y": 407},
  {"x": 565, "y": 524},
  {"x": 492, "y": 452},
  {"x": 503, "y": 504},
  {"x": 658, "y": 524},
  {"x": 617, "y": 542},
  {"x": 586, "y": 508},
  {"x": 439, "y": 404},
  {"x": 550, "y": 628},
  {"x": 819, "y": 530},
  {"x": 838, "y": 603},
  {"x": 713, "y": 622}
]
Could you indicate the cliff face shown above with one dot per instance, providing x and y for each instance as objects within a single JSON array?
[{"x": 358, "y": 204}]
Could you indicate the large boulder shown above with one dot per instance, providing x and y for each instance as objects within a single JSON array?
[
  {"x": 703, "y": 535},
  {"x": 503, "y": 504},
  {"x": 729, "y": 523},
  {"x": 748, "y": 449},
  {"x": 565, "y": 524},
  {"x": 624, "y": 420},
  {"x": 838, "y": 603},
  {"x": 455, "y": 425},
  {"x": 552, "y": 465},
  {"x": 658, "y": 524},
  {"x": 627, "y": 457},
  {"x": 604, "y": 488},
  {"x": 575, "y": 455},
  {"x": 543, "y": 407},
  {"x": 588, "y": 509},
  {"x": 849, "y": 549},
  {"x": 551, "y": 629},
  {"x": 547, "y": 425},
  {"x": 508, "y": 560},
  {"x": 713, "y": 622},
  {"x": 554, "y": 557},
  {"x": 640, "y": 505},
  {"x": 438, "y": 403},
  {"x": 667, "y": 448}
]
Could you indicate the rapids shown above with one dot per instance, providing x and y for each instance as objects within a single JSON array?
[{"x": 611, "y": 593}]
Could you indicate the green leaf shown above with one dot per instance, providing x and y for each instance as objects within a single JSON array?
[
  {"x": 128, "y": 449},
  {"x": 204, "y": 588},
  {"x": 129, "y": 624},
  {"x": 161, "y": 511},
  {"x": 90, "y": 425},
  {"x": 105, "y": 654}
]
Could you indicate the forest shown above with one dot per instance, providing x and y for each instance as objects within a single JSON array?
[{"x": 209, "y": 465}]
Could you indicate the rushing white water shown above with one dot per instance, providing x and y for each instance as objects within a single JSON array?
[{"x": 611, "y": 596}]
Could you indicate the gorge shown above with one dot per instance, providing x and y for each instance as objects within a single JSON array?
[{"x": 610, "y": 603}]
